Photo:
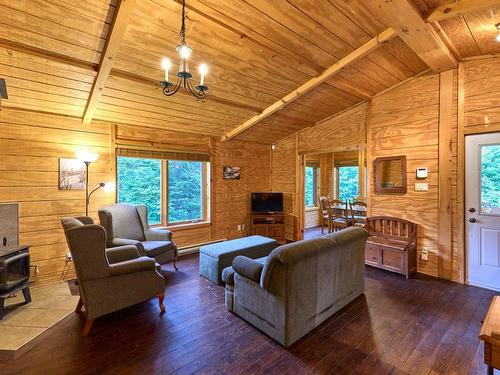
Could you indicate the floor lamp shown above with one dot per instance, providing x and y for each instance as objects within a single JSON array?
[{"x": 87, "y": 158}]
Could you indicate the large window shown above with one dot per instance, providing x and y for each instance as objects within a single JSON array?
[
  {"x": 348, "y": 183},
  {"x": 311, "y": 186},
  {"x": 139, "y": 182},
  {"x": 175, "y": 192}
]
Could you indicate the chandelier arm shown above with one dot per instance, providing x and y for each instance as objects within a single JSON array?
[
  {"x": 196, "y": 93},
  {"x": 169, "y": 92}
]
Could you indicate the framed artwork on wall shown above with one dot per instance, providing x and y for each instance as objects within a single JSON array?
[
  {"x": 231, "y": 173},
  {"x": 71, "y": 174}
]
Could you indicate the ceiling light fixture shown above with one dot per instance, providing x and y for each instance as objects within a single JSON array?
[
  {"x": 498, "y": 32},
  {"x": 183, "y": 74}
]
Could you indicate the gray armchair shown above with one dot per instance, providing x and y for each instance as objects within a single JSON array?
[
  {"x": 127, "y": 224},
  {"x": 111, "y": 279}
]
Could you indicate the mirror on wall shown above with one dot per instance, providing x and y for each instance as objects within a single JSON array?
[{"x": 390, "y": 175}]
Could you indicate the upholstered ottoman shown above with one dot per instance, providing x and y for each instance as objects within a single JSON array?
[{"x": 215, "y": 257}]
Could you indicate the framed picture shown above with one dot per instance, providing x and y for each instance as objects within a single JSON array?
[
  {"x": 71, "y": 174},
  {"x": 231, "y": 173}
]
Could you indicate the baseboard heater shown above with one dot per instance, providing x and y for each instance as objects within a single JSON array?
[{"x": 191, "y": 249}]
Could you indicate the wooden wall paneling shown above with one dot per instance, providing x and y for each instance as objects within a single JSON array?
[
  {"x": 459, "y": 269},
  {"x": 347, "y": 129},
  {"x": 284, "y": 180},
  {"x": 445, "y": 166},
  {"x": 30, "y": 147},
  {"x": 412, "y": 105}
]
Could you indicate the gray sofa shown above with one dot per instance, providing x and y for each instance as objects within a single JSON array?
[
  {"x": 111, "y": 279},
  {"x": 299, "y": 285},
  {"x": 127, "y": 224}
]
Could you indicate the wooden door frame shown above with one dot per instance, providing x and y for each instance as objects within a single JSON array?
[{"x": 462, "y": 133}]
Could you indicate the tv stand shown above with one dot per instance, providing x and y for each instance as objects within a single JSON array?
[{"x": 270, "y": 225}]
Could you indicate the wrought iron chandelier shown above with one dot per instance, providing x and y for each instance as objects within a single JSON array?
[{"x": 183, "y": 74}]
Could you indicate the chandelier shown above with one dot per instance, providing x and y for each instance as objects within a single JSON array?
[{"x": 183, "y": 74}]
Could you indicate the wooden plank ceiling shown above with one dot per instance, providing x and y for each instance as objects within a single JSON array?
[{"x": 257, "y": 52}]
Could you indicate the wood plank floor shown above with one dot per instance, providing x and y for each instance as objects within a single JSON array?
[{"x": 417, "y": 326}]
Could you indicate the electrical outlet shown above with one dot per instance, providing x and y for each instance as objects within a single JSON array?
[
  {"x": 242, "y": 226},
  {"x": 239, "y": 227},
  {"x": 425, "y": 253}
]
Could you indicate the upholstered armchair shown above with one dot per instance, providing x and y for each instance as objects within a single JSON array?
[
  {"x": 127, "y": 224},
  {"x": 107, "y": 286}
]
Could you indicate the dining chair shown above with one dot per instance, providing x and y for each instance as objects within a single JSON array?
[
  {"x": 325, "y": 217},
  {"x": 358, "y": 211},
  {"x": 339, "y": 214}
]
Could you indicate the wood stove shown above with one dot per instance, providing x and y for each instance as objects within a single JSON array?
[{"x": 14, "y": 273}]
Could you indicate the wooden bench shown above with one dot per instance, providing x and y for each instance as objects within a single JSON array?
[{"x": 392, "y": 244}]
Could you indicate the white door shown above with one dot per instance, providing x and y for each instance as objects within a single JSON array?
[{"x": 482, "y": 208}]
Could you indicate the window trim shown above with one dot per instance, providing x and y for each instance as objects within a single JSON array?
[{"x": 206, "y": 195}]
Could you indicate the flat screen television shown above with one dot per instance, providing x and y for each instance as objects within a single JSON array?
[{"x": 267, "y": 202}]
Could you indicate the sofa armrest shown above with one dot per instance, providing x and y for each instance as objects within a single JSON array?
[
  {"x": 132, "y": 266},
  {"x": 122, "y": 253},
  {"x": 248, "y": 267},
  {"x": 158, "y": 234}
]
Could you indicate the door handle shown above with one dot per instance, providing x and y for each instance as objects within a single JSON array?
[{"x": 472, "y": 220}]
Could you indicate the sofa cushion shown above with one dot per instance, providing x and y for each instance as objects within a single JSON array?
[{"x": 155, "y": 248}]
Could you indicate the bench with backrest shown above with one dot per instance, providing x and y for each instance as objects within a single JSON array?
[{"x": 392, "y": 244}]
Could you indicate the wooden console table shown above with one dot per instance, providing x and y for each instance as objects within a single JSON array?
[
  {"x": 490, "y": 334},
  {"x": 269, "y": 225}
]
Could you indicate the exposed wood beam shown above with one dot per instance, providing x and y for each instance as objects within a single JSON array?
[
  {"x": 456, "y": 8},
  {"x": 121, "y": 19},
  {"x": 355, "y": 55},
  {"x": 419, "y": 36}
]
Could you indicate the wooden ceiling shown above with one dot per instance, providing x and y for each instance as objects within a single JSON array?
[{"x": 61, "y": 57}]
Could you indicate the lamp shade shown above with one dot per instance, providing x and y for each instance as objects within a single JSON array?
[
  {"x": 87, "y": 157},
  {"x": 109, "y": 187}
]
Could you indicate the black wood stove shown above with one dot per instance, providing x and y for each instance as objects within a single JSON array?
[{"x": 14, "y": 273}]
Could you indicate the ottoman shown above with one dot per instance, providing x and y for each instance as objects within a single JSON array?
[{"x": 215, "y": 257}]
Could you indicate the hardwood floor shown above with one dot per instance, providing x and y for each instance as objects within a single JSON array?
[{"x": 416, "y": 326}]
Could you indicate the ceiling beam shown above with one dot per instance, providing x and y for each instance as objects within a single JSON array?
[
  {"x": 456, "y": 8},
  {"x": 121, "y": 19},
  {"x": 415, "y": 32},
  {"x": 311, "y": 84}
]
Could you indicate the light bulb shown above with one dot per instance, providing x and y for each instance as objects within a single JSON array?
[
  {"x": 184, "y": 51},
  {"x": 109, "y": 187},
  {"x": 87, "y": 157},
  {"x": 166, "y": 64},
  {"x": 203, "y": 69},
  {"x": 498, "y": 36}
]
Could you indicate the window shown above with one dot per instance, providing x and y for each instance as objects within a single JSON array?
[
  {"x": 139, "y": 182},
  {"x": 490, "y": 179},
  {"x": 348, "y": 182},
  {"x": 175, "y": 192},
  {"x": 311, "y": 186},
  {"x": 185, "y": 191}
]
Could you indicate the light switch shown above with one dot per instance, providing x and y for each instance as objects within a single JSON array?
[
  {"x": 422, "y": 173},
  {"x": 421, "y": 186}
]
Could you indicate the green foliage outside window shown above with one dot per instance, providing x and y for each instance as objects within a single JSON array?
[
  {"x": 139, "y": 182},
  {"x": 490, "y": 179},
  {"x": 310, "y": 187},
  {"x": 185, "y": 191},
  {"x": 348, "y": 183}
]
